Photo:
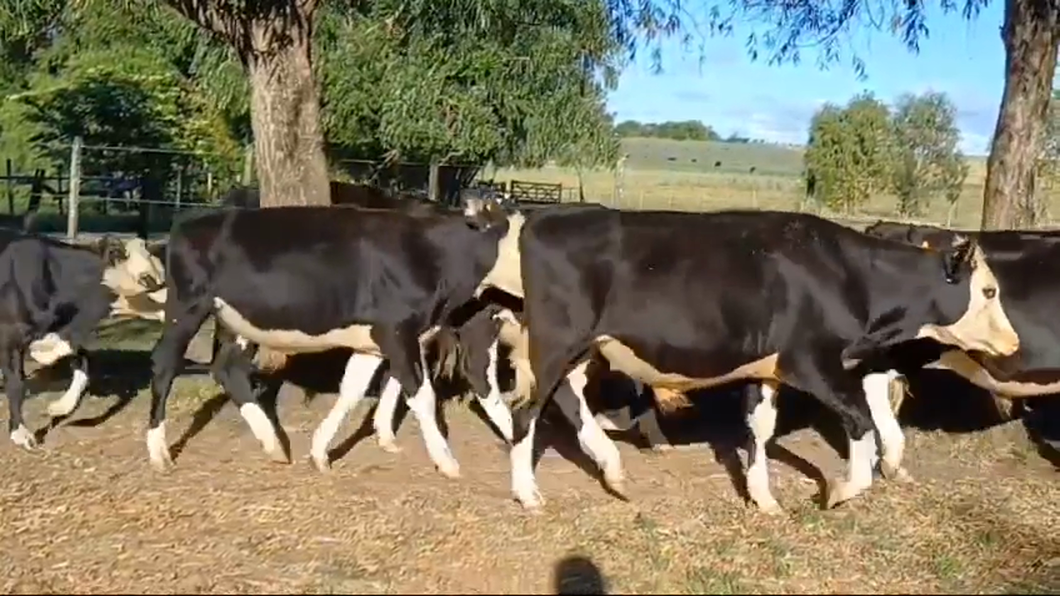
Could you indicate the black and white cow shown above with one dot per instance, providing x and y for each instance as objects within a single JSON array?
[
  {"x": 682, "y": 301},
  {"x": 307, "y": 279},
  {"x": 54, "y": 295},
  {"x": 1026, "y": 263}
]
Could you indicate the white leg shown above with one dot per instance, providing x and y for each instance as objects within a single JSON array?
[
  {"x": 524, "y": 485},
  {"x": 23, "y": 438},
  {"x": 66, "y": 404},
  {"x": 892, "y": 441},
  {"x": 496, "y": 410},
  {"x": 423, "y": 406},
  {"x": 762, "y": 420},
  {"x": 383, "y": 418},
  {"x": 359, "y": 371},
  {"x": 264, "y": 431},
  {"x": 158, "y": 448},
  {"x": 859, "y": 470},
  {"x": 593, "y": 440}
]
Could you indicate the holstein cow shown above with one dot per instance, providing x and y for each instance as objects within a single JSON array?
[
  {"x": 681, "y": 301},
  {"x": 307, "y": 279},
  {"x": 54, "y": 296},
  {"x": 1025, "y": 264}
]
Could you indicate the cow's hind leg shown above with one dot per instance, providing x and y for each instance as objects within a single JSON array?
[
  {"x": 593, "y": 440},
  {"x": 818, "y": 372},
  {"x": 65, "y": 405},
  {"x": 15, "y": 386},
  {"x": 383, "y": 417},
  {"x": 360, "y": 369},
  {"x": 408, "y": 365},
  {"x": 182, "y": 322},
  {"x": 488, "y": 391},
  {"x": 762, "y": 421},
  {"x": 232, "y": 369}
]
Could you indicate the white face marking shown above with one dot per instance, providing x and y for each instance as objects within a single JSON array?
[
  {"x": 126, "y": 277},
  {"x": 506, "y": 274},
  {"x": 359, "y": 371},
  {"x": 263, "y": 429},
  {"x": 423, "y": 407},
  {"x": 66, "y": 404},
  {"x": 496, "y": 410},
  {"x": 762, "y": 421},
  {"x": 984, "y": 326},
  {"x": 383, "y": 418}
]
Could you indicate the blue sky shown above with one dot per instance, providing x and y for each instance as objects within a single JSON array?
[{"x": 731, "y": 93}]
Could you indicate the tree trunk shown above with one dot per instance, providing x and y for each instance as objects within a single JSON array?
[
  {"x": 285, "y": 115},
  {"x": 1031, "y": 34}
]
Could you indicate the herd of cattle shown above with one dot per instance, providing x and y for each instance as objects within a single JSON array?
[{"x": 563, "y": 298}]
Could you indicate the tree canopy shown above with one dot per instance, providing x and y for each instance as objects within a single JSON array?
[{"x": 867, "y": 148}]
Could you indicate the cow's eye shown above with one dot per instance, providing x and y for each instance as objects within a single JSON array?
[{"x": 989, "y": 293}]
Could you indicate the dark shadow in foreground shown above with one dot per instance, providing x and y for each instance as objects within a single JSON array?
[{"x": 576, "y": 574}]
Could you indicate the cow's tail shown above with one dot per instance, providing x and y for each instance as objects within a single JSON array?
[
  {"x": 670, "y": 400},
  {"x": 449, "y": 357},
  {"x": 268, "y": 360}
]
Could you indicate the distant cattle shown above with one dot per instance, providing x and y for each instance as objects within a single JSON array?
[
  {"x": 1026, "y": 264},
  {"x": 54, "y": 296},
  {"x": 307, "y": 279},
  {"x": 682, "y": 301}
]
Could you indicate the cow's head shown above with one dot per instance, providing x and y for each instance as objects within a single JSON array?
[
  {"x": 959, "y": 299},
  {"x": 974, "y": 296},
  {"x": 129, "y": 267},
  {"x": 481, "y": 209}
]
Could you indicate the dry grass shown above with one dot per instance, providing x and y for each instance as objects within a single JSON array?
[{"x": 88, "y": 515}]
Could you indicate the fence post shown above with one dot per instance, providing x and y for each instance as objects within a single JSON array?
[
  {"x": 248, "y": 164},
  {"x": 75, "y": 189},
  {"x": 10, "y": 188},
  {"x": 433, "y": 190}
]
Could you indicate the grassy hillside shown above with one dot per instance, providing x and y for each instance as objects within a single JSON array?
[{"x": 701, "y": 156}]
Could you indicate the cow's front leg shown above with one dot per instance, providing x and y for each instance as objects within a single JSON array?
[{"x": 15, "y": 384}]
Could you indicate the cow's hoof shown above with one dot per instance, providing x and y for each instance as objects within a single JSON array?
[
  {"x": 158, "y": 449},
  {"x": 23, "y": 438},
  {"x": 895, "y": 473},
  {"x": 840, "y": 491},
  {"x": 389, "y": 445},
  {"x": 769, "y": 507},
  {"x": 531, "y": 500},
  {"x": 616, "y": 481},
  {"x": 449, "y": 469},
  {"x": 321, "y": 462},
  {"x": 660, "y": 448},
  {"x": 279, "y": 456}
]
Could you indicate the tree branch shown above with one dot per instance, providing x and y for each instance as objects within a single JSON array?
[{"x": 203, "y": 14}]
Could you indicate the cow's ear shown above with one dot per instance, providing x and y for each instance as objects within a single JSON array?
[
  {"x": 869, "y": 345},
  {"x": 958, "y": 258}
]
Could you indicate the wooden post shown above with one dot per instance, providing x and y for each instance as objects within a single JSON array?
[
  {"x": 180, "y": 186},
  {"x": 248, "y": 165},
  {"x": 209, "y": 185},
  {"x": 75, "y": 188},
  {"x": 10, "y": 188},
  {"x": 434, "y": 190}
]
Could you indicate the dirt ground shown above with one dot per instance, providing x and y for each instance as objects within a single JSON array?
[{"x": 87, "y": 513}]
